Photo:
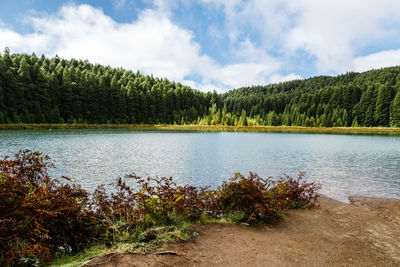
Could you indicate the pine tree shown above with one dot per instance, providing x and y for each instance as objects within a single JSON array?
[
  {"x": 54, "y": 116},
  {"x": 369, "y": 117},
  {"x": 383, "y": 106},
  {"x": 224, "y": 119},
  {"x": 354, "y": 123},
  {"x": 66, "y": 108},
  {"x": 395, "y": 111},
  {"x": 243, "y": 119},
  {"x": 345, "y": 118},
  {"x": 272, "y": 118}
]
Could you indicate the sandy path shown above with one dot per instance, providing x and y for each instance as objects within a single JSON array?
[{"x": 366, "y": 233}]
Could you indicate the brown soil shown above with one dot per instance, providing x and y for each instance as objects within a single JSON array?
[{"x": 363, "y": 233}]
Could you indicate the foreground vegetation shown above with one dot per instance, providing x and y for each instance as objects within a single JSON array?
[
  {"x": 43, "y": 90},
  {"x": 42, "y": 217}
]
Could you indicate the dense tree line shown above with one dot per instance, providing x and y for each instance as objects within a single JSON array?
[
  {"x": 43, "y": 90},
  {"x": 370, "y": 98}
]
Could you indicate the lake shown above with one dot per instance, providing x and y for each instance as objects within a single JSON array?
[{"x": 344, "y": 164}]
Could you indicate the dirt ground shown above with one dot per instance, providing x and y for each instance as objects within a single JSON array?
[{"x": 363, "y": 233}]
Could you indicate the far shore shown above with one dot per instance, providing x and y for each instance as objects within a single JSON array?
[{"x": 206, "y": 128}]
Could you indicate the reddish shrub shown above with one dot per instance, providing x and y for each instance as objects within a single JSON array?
[
  {"x": 38, "y": 215},
  {"x": 160, "y": 198},
  {"x": 298, "y": 193},
  {"x": 247, "y": 199},
  {"x": 255, "y": 199},
  {"x": 164, "y": 198}
]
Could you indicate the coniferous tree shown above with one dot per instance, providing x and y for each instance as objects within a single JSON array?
[
  {"x": 55, "y": 90},
  {"x": 54, "y": 116},
  {"x": 382, "y": 106},
  {"x": 395, "y": 111},
  {"x": 243, "y": 119}
]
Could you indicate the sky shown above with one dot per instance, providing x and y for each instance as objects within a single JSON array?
[{"x": 210, "y": 44}]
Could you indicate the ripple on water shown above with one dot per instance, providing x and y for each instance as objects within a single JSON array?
[{"x": 344, "y": 164}]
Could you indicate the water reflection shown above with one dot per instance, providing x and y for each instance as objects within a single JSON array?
[{"x": 344, "y": 164}]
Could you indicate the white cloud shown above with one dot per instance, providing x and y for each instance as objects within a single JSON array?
[
  {"x": 333, "y": 31},
  {"x": 247, "y": 51},
  {"x": 264, "y": 39},
  {"x": 17, "y": 42},
  {"x": 377, "y": 60},
  {"x": 277, "y": 78},
  {"x": 207, "y": 87},
  {"x": 253, "y": 68},
  {"x": 152, "y": 44},
  {"x": 330, "y": 31},
  {"x": 242, "y": 74}
]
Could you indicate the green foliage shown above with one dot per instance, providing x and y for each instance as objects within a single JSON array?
[
  {"x": 54, "y": 116},
  {"x": 40, "y": 90},
  {"x": 243, "y": 119},
  {"x": 321, "y": 101},
  {"x": 44, "y": 90},
  {"x": 382, "y": 105},
  {"x": 395, "y": 111}
]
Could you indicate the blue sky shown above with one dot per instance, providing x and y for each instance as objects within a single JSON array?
[{"x": 210, "y": 44}]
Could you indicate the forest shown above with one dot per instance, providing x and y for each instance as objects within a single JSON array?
[{"x": 54, "y": 90}]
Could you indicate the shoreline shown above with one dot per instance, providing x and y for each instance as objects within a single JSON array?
[
  {"x": 207, "y": 128},
  {"x": 351, "y": 198},
  {"x": 364, "y": 232}
]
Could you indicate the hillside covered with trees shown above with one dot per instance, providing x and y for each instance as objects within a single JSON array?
[{"x": 43, "y": 90}]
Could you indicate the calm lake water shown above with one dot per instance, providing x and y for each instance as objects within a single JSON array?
[{"x": 344, "y": 164}]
